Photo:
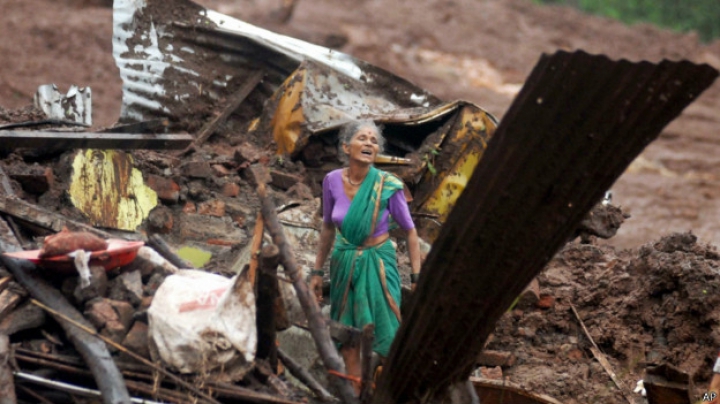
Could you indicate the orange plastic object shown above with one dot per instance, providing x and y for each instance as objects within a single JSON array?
[{"x": 118, "y": 253}]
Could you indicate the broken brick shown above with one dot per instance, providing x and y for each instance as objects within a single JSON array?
[
  {"x": 213, "y": 208},
  {"x": 284, "y": 180},
  {"x": 197, "y": 169},
  {"x": 531, "y": 294},
  {"x": 545, "y": 302},
  {"x": 99, "y": 312},
  {"x": 494, "y": 373},
  {"x": 246, "y": 153},
  {"x": 160, "y": 220},
  {"x": 220, "y": 170},
  {"x": 127, "y": 287},
  {"x": 496, "y": 358},
  {"x": 166, "y": 189},
  {"x": 115, "y": 331},
  {"x": 97, "y": 288},
  {"x": 34, "y": 179},
  {"x": 136, "y": 340},
  {"x": 231, "y": 190},
  {"x": 124, "y": 312},
  {"x": 189, "y": 208}
]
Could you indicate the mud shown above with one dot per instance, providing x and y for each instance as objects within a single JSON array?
[{"x": 644, "y": 298}]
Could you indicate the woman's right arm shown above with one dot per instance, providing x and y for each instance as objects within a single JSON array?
[{"x": 327, "y": 235}]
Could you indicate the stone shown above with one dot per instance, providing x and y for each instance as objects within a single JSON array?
[
  {"x": 167, "y": 190},
  {"x": 98, "y": 285},
  {"x": 197, "y": 169},
  {"x": 300, "y": 191},
  {"x": 160, "y": 220},
  {"x": 127, "y": 287},
  {"x": 197, "y": 191},
  {"x": 189, "y": 207},
  {"x": 214, "y": 207},
  {"x": 530, "y": 295},
  {"x": 136, "y": 340}
]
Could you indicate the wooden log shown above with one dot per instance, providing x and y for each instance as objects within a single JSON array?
[
  {"x": 159, "y": 245},
  {"x": 576, "y": 125},
  {"x": 367, "y": 385},
  {"x": 316, "y": 321},
  {"x": 267, "y": 292},
  {"x": 43, "y": 217},
  {"x": 11, "y": 140},
  {"x": 233, "y": 103},
  {"x": 107, "y": 376},
  {"x": 268, "y": 376},
  {"x": 304, "y": 376},
  {"x": 7, "y": 387}
]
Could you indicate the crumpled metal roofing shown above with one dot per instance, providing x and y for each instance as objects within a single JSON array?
[{"x": 175, "y": 53}]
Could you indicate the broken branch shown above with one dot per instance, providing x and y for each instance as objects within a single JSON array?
[
  {"x": 305, "y": 377},
  {"x": 316, "y": 321}
]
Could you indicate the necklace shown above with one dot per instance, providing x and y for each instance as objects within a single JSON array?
[{"x": 347, "y": 177}]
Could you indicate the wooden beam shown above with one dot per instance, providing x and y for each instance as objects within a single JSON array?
[
  {"x": 10, "y": 140},
  {"x": 43, "y": 217},
  {"x": 234, "y": 102},
  {"x": 578, "y": 122},
  {"x": 267, "y": 292}
]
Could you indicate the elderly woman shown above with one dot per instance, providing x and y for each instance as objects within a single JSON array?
[{"x": 358, "y": 202}]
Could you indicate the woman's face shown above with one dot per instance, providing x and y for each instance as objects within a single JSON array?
[{"x": 364, "y": 146}]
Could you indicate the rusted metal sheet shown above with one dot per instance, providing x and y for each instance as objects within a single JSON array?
[
  {"x": 109, "y": 190},
  {"x": 10, "y": 140},
  {"x": 576, "y": 125}
]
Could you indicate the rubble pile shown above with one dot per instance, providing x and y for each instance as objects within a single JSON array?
[{"x": 650, "y": 306}]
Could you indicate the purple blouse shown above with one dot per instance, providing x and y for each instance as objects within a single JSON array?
[{"x": 336, "y": 205}]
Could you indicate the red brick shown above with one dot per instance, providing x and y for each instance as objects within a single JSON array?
[
  {"x": 124, "y": 311},
  {"x": 99, "y": 312},
  {"x": 136, "y": 340},
  {"x": 545, "y": 302},
  {"x": 494, "y": 373},
  {"x": 167, "y": 190},
  {"x": 575, "y": 354}
]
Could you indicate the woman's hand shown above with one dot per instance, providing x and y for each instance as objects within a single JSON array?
[{"x": 316, "y": 282}]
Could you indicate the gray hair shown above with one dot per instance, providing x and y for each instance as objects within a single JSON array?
[{"x": 350, "y": 129}]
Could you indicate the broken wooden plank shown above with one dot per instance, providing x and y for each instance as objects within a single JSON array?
[
  {"x": 235, "y": 100},
  {"x": 43, "y": 217},
  {"x": 25, "y": 317},
  {"x": 7, "y": 387},
  {"x": 576, "y": 125},
  {"x": 316, "y": 320},
  {"x": 10, "y": 140},
  {"x": 666, "y": 384}
]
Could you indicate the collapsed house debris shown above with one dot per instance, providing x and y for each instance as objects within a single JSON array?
[{"x": 252, "y": 98}]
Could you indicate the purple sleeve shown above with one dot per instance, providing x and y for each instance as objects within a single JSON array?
[
  {"x": 328, "y": 200},
  {"x": 399, "y": 210}
]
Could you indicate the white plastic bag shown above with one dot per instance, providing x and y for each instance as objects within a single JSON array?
[{"x": 200, "y": 322}]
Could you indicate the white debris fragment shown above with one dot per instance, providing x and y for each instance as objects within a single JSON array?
[{"x": 82, "y": 258}]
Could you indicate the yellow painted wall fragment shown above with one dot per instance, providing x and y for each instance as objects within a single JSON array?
[{"x": 106, "y": 188}]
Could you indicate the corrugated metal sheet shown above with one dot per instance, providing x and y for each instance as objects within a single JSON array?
[{"x": 576, "y": 125}]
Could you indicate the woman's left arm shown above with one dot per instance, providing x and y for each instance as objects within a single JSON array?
[{"x": 413, "y": 242}]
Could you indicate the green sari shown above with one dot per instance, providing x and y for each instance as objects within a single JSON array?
[{"x": 365, "y": 283}]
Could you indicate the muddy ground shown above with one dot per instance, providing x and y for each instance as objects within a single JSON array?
[{"x": 643, "y": 299}]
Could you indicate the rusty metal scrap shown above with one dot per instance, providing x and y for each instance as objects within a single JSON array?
[{"x": 576, "y": 125}]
